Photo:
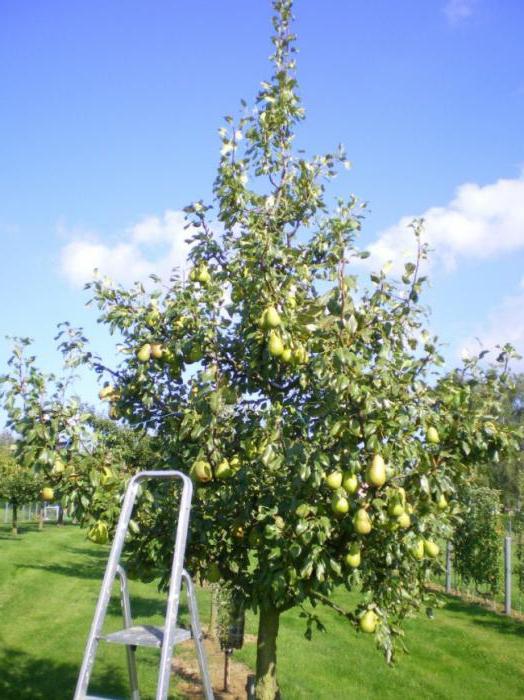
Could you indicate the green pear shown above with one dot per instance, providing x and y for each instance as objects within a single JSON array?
[
  {"x": 396, "y": 509},
  {"x": 339, "y": 505},
  {"x": 404, "y": 521},
  {"x": 202, "y": 470},
  {"x": 442, "y": 502},
  {"x": 300, "y": 355},
  {"x": 334, "y": 480},
  {"x": 431, "y": 549},
  {"x": 271, "y": 318},
  {"x": 350, "y": 482},
  {"x": 144, "y": 353},
  {"x": 202, "y": 275},
  {"x": 368, "y": 622},
  {"x": 47, "y": 493},
  {"x": 157, "y": 350},
  {"x": 105, "y": 392},
  {"x": 223, "y": 470},
  {"x": 376, "y": 473},
  {"x": 432, "y": 436},
  {"x": 274, "y": 345},
  {"x": 58, "y": 466},
  {"x": 362, "y": 522},
  {"x": 353, "y": 557},
  {"x": 417, "y": 550},
  {"x": 286, "y": 355},
  {"x": 98, "y": 532}
]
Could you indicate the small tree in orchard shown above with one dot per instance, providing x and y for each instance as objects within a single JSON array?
[
  {"x": 303, "y": 403},
  {"x": 18, "y": 485},
  {"x": 48, "y": 426},
  {"x": 93, "y": 486},
  {"x": 477, "y": 541}
]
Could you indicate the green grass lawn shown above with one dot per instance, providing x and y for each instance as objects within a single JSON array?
[{"x": 49, "y": 582}]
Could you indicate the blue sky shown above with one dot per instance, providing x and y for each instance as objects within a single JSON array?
[{"x": 108, "y": 127}]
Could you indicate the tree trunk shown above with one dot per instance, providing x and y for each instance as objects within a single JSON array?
[
  {"x": 60, "y": 518},
  {"x": 41, "y": 518},
  {"x": 213, "y": 617},
  {"x": 266, "y": 682},
  {"x": 14, "y": 526}
]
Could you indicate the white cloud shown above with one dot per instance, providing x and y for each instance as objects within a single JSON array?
[
  {"x": 480, "y": 222},
  {"x": 458, "y": 10},
  {"x": 154, "y": 245},
  {"x": 505, "y": 324}
]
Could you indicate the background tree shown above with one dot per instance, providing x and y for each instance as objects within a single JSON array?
[
  {"x": 18, "y": 484},
  {"x": 301, "y": 399},
  {"x": 507, "y": 475},
  {"x": 477, "y": 541},
  {"x": 49, "y": 427}
]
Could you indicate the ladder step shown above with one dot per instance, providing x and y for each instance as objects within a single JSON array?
[{"x": 145, "y": 636}]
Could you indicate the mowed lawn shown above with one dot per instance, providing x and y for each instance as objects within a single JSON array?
[{"x": 49, "y": 582}]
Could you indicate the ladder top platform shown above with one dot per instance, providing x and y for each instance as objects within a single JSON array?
[{"x": 145, "y": 636}]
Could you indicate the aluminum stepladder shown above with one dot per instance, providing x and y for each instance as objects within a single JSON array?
[{"x": 146, "y": 635}]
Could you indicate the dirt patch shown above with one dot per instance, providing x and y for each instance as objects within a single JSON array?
[{"x": 185, "y": 668}]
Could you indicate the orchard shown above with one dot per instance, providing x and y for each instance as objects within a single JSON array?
[{"x": 306, "y": 400}]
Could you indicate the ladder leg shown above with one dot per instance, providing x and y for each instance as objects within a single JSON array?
[
  {"x": 166, "y": 656},
  {"x": 128, "y": 622},
  {"x": 105, "y": 592},
  {"x": 198, "y": 636}
]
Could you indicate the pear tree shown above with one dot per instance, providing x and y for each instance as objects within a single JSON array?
[
  {"x": 48, "y": 425},
  {"x": 18, "y": 485},
  {"x": 301, "y": 396}
]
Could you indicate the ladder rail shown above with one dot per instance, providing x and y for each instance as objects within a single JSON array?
[
  {"x": 197, "y": 635},
  {"x": 128, "y": 622},
  {"x": 175, "y": 586},
  {"x": 111, "y": 571}
]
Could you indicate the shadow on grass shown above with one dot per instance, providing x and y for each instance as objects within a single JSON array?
[
  {"x": 23, "y": 529},
  {"x": 25, "y": 677},
  {"x": 101, "y": 553},
  {"x": 142, "y": 607},
  {"x": 90, "y": 571},
  {"x": 485, "y": 618}
]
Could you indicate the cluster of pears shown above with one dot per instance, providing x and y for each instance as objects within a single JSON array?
[
  {"x": 270, "y": 321},
  {"x": 345, "y": 483},
  {"x": 200, "y": 274},
  {"x": 424, "y": 548},
  {"x": 202, "y": 471},
  {"x": 398, "y": 509},
  {"x": 149, "y": 351},
  {"x": 98, "y": 532}
]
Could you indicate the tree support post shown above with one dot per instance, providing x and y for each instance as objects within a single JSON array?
[
  {"x": 507, "y": 575},
  {"x": 448, "y": 567}
]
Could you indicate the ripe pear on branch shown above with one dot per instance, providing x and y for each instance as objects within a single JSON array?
[
  {"x": 144, "y": 353},
  {"x": 362, "y": 522},
  {"x": 376, "y": 472},
  {"x": 275, "y": 346},
  {"x": 353, "y": 557},
  {"x": 270, "y": 319}
]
